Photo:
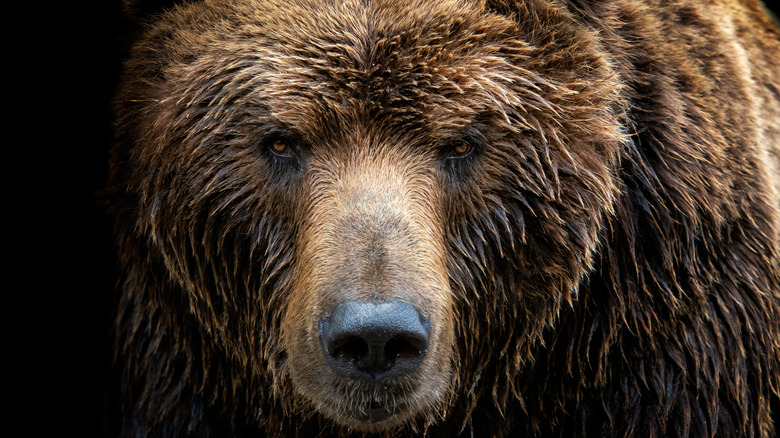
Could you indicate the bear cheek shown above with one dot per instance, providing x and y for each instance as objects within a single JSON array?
[{"x": 371, "y": 309}]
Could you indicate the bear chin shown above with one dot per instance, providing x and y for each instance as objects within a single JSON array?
[
  {"x": 376, "y": 408},
  {"x": 370, "y": 416}
]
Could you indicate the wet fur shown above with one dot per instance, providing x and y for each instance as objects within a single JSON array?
[{"x": 608, "y": 257}]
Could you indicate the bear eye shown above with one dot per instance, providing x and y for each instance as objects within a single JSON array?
[
  {"x": 283, "y": 150},
  {"x": 460, "y": 153},
  {"x": 461, "y": 149},
  {"x": 280, "y": 147},
  {"x": 457, "y": 150}
]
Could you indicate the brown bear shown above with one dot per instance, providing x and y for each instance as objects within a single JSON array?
[{"x": 448, "y": 218}]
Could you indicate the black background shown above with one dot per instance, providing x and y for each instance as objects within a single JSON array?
[{"x": 62, "y": 260}]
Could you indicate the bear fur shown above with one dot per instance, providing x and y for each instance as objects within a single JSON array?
[{"x": 579, "y": 198}]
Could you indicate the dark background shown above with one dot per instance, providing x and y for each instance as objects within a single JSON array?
[
  {"x": 66, "y": 59},
  {"x": 65, "y": 237}
]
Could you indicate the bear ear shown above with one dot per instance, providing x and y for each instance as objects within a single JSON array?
[{"x": 139, "y": 9}]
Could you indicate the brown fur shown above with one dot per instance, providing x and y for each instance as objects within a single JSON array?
[{"x": 604, "y": 261}]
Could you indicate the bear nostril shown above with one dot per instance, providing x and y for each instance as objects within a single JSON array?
[
  {"x": 404, "y": 347},
  {"x": 351, "y": 348},
  {"x": 363, "y": 340}
]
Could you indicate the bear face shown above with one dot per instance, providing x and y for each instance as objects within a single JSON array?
[
  {"x": 355, "y": 209},
  {"x": 287, "y": 167}
]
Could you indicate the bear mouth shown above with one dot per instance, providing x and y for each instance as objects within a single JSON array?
[
  {"x": 377, "y": 411},
  {"x": 372, "y": 408}
]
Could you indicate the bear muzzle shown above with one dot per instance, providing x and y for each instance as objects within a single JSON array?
[{"x": 369, "y": 327}]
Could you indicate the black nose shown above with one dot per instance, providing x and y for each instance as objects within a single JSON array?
[{"x": 365, "y": 340}]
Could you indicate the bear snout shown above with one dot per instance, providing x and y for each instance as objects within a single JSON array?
[
  {"x": 368, "y": 330},
  {"x": 371, "y": 341}
]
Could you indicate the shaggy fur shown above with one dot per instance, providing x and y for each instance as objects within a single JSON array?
[{"x": 582, "y": 196}]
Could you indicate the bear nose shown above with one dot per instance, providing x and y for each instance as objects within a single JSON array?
[{"x": 367, "y": 340}]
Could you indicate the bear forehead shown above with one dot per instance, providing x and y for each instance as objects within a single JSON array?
[{"x": 442, "y": 64}]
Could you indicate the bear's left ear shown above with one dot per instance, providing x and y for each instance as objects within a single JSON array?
[{"x": 139, "y": 9}]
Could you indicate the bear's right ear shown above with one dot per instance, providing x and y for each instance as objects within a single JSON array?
[{"x": 139, "y": 9}]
